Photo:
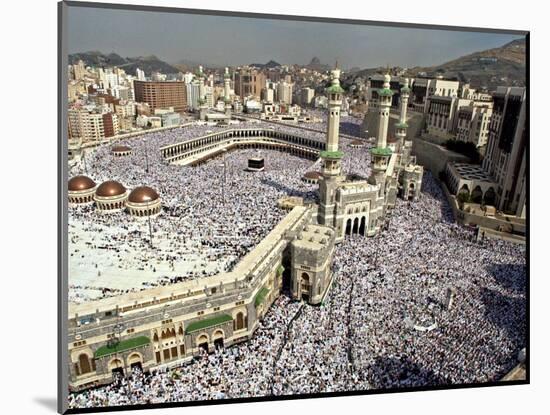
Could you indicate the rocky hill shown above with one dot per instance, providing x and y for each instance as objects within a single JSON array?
[
  {"x": 486, "y": 69},
  {"x": 489, "y": 68},
  {"x": 149, "y": 64}
]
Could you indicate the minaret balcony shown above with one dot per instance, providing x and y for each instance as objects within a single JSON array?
[
  {"x": 381, "y": 151},
  {"x": 334, "y": 155}
]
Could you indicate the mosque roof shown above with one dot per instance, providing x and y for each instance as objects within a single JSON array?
[
  {"x": 312, "y": 175},
  {"x": 78, "y": 183},
  {"x": 110, "y": 188},
  {"x": 120, "y": 149},
  {"x": 143, "y": 194}
]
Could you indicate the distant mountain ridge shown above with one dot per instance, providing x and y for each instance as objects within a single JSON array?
[
  {"x": 489, "y": 68},
  {"x": 269, "y": 65},
  {"x": 148, "y": 64}
]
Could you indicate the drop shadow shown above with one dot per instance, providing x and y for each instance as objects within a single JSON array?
[{"x": 47, "y": 402}]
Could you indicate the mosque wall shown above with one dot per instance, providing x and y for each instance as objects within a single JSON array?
[{"x": 223, "y": 310}]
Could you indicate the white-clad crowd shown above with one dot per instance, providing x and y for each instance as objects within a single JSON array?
[
  {"x": 368, "y": 332},
  {"x": 206, "y": 225}
]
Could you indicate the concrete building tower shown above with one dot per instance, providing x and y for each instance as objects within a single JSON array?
[
  {"x": 227, "y": 92},
  {"x": 401, "y": 126},
  {"x": 202, "y": 95},
  {"x": 332, "y": 157}
]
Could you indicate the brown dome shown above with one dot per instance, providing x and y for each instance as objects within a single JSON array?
[
  {"x": 79, "y": 183},
  {"x": 110, "y": 188},
  {"x": 357, "y": 143},
  {"x": 143, "y": 194},
  {"x": 312, "y": 175},
  {"x": 120, "y": 149}
]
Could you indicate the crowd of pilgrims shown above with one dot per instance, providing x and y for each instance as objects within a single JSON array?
[
  {"x": 202, "y": 217},
  {"x": 367, "y": 332}
]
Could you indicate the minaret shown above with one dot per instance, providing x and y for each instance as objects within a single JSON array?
[
  {"x": 331, "y": 174},
  {"x": 202, "y": 95},
  {"x": 380, "y": 155},
  {"x": 401, "y": 126},
  {"x": 384, "y": 104},
  {"x": 226, "y": 92}
]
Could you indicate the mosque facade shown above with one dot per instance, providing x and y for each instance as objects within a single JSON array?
[
  {"x": 169, "y": 325},
  {"x": 352, "y": 206}
]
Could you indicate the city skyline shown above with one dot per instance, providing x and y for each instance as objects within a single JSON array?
[{"x": 131, "y": 33}]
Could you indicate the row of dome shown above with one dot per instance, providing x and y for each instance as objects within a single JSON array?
[{"x": 112, "y": 195}]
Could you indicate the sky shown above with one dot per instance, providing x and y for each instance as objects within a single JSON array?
[{"x": 232, "y": 41}]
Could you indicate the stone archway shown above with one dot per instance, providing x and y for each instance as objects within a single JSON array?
[
  {"x": 202, "y": 342},
  {"x": 84, "y": 363},
  {"x": 490, "y": 197},
  {"x": 477, "y": 195},
  {"x": 362, "y": 226},
  {"x": 305, "y": 285},
  {"x": 135, "y": 361},
  {"x": 348, "y": 227},
  {"x": 238, "y": 323},
  {"x": 218, "y": 338}
]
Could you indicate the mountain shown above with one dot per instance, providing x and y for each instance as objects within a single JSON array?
[
  {"x": 504, "y": 65},
  {"x": 316, "y": 65},
  {"x": 149, "y": 64},
  {"x": 269, "y": 65}
]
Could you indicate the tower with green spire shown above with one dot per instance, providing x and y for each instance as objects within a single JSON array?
[{"x": 332, "y": 156}]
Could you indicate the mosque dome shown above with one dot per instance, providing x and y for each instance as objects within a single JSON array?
[
  {"x": 110, "y": 188},
  {"x": 313, "y": 175},
  {"x": 80, "y": 183},
  {"x": 357, "y": 143},
  {"x": 143, "y": 194}
]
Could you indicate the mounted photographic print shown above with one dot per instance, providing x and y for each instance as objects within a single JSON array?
[{"x": 258, "y": 207}]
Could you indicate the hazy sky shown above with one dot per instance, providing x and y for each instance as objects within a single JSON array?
[{"x": 236, "y": 40}]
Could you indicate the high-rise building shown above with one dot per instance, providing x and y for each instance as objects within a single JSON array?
[
  {"x": 505, "y": 157},
  {"x": 284, "y": 93},
  {"x": 162, "y": 94},
  {"x": 89, "y": 125},
  {"x": 249, "y": 81},
  {"x": 192, "y": 89},
  {"x": 79, "y": 70},
  {"x": 441, "y": 116},
  {"x": 306, "y": 96},
  {"x": 423, "y": 88},
  {"x": 140, "y": 74},
  {"x": 472, "y": 122}
]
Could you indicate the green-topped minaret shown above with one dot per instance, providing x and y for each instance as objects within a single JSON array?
[
  {"x": 380, "y": 155},
  {"x": 332, "y": 156}
]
